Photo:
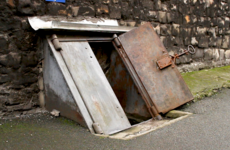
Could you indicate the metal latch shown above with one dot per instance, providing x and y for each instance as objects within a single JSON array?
[{"x": 167, "y": 60}]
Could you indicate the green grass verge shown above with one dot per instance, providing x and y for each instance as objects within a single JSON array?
[{"x": 207, "y": 82}]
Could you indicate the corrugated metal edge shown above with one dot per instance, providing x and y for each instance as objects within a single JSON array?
[{"x": 106, "y": 25}]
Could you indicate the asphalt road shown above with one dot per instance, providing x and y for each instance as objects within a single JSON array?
[{"x": 208, "y": 128}]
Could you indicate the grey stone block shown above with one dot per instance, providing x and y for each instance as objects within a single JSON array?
[
  {"x": 163, "y": 39},
  {"x": 126, "y": 11},
  {"x": 11, "y": 60},
  {"x": 203, "y": 42},
  {"x": 227, "y": 54},
  {"x": 194, "y": 41},
  {"x": 4, "y": 78},
  {"x": 153, "y": 15},
  {"x": 219, "y": 42},
  {"x": 226, "y": 24},
  {"x": 54, "y": 8},
  {"x": 5, "y": 70},
  {"x": 147, "y": 4},
  {"x": 30, "y": 60},
  {"x": 115, "y": 12},
  {"x": 164, "y": 7},
  {"x": 201, "y": 31},
  {"x": 187, "y": 40},
  {"x": 175, "y": 29},
  {"x": 115, "y": 1},
  {"x": 193, "y": 19},
  {"x": 162, "y": 17},
  {"x": 105, "y": 1},
  {"x": 122, "y": 23},
  {"x": 25, "y": 7},
  {"x": 74, "y": 11},
  {"x": 131, "y": 23},
  {"x": 225, "y": 42},
  {"x": 3, "y": 59},
  {"x": 165, "y": 30},
  {"x": 157, "y": 4},
  {"x": 212, "y": 32},
  {"x": 199, "y": 54},
  {"x": 157, "y": 29},
  {"x": 208, "y": 54},
  {"x": 222, "y": 53},
  {"x": 220, "y": 22},
  {"x": 170, "y": 17},
  {"x": 86, "y": 11},
  {"x": 216, "y": 55},
  {"x": 25, "y": 80},
  {"x": 185, "y": 59},
  {"x": 178, "y": 41},
  {"x": 14, "y": 60},
  {"x": 4, "y": 43}
]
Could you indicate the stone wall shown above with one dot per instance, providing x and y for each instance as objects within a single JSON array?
[{"x": 179, "y": 23}]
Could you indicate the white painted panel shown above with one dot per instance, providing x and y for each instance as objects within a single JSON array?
[
  {"x": 72, "y": 87},
  {"x": 94, "y": 88}
]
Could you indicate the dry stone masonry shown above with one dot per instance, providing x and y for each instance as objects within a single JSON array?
[{"x": 179, "y": 23}]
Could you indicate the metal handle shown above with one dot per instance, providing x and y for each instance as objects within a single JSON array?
[{"x": 191, "y": 51}]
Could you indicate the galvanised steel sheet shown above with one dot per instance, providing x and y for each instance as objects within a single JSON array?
[{"x": 95, "y": 90}]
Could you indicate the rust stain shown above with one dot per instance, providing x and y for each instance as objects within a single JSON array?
[
  {"x": 187, "y": 18},
  {"x": 211, "y": 1},
  {"x": 96, "y": 104},
  {"x": 125, "y": 89},
  {"x": 62, "y": 12},
  {"x": 11, "y": 3}
]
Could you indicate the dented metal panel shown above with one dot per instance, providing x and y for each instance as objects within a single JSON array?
[
  {"x": 100, "y": 25},
  {"x": 161, "y": 89},
  {"x": 60, "y": 92},
  {"x": 94, "y": 88}
]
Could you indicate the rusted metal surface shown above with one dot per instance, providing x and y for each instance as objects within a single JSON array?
[
  {"x": 126, "y": 90},
  {"x": 136, "y": 79},
  {"x": 162, "y": 90},
  {"x": 164, "y": 62}
]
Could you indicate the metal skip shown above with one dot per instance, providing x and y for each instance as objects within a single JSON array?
[{"x": 162, "y": 90}]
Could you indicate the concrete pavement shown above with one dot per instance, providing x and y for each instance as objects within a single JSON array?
[{"x": 208, "y": 128}]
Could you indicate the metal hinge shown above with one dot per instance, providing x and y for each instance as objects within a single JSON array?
[
  {"x": 118, "y": 45},
  {"x": 97, "y": 128},
  {"x": 56, "y": 42},
  {"x": 154, "y": 113},
  {"x": 116, "y": 40}
]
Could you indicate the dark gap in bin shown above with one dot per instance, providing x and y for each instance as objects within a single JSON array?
[{"x": 121, "y": 82}]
